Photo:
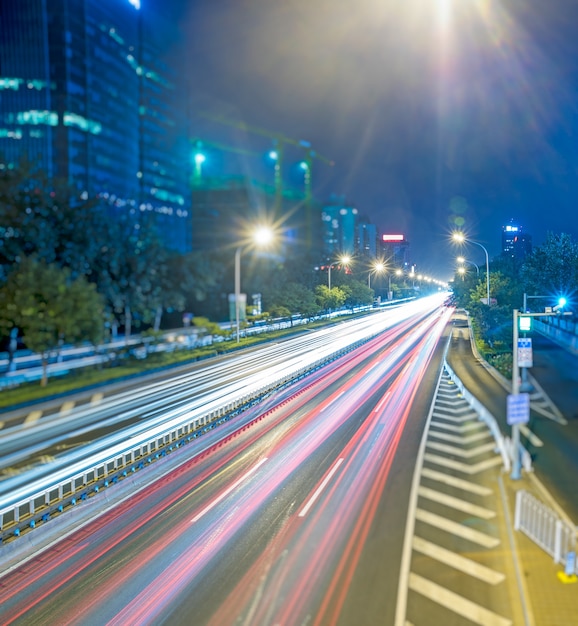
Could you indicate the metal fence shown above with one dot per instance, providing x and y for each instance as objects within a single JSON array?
[{"x": 543, "y": 526}]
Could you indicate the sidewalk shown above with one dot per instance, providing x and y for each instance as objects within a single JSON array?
[{"x": 547, "y": 600}]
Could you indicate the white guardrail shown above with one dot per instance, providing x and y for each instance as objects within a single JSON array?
[
  {"x": 35, "y": 502},
  {"x": 543, "y": 526}
]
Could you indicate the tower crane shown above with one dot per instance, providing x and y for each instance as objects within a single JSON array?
[{"x": 277, "y": 154}]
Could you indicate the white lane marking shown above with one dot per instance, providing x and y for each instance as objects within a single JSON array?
[
  {"x": 321, "y": 487},
  {"x": 32, "y": 417},
  {"x": 456, "y": 420},
  {"x": 460, "y": 438},
  {"x": 455, "y": 503},
  {"x": 66, "y": 407},
  {"x": 457, "y": 561},
  {"x": 379, "y": 405},
  {"x": 456, "y": 603},
  {"x": 96, "y": 399},
  {"x": 532, "y": 438},
  {"x": 465, "y": 485},
  {"x": 334, "y": 400},
  {"x": 463, "y": 467},
  {"x": 228, "y": 491},
  {"x": 456, "y": 529},
  {"x": 458, "y": 429},
  {"x": 465, "y": 454}
]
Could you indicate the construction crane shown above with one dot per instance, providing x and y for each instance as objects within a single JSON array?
[
  {"x": 277, "y": 153},
  {"x": 199, "y": 156}
]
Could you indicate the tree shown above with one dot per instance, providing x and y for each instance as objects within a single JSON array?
[
  {"x": 50, "y": 307},
  {"x": 52, "y": 221},
  {"x": 329, "y": 299},
  {"x": 552, "y": 269},
  {"x": 357, "y": 293},
  {"x": 294, "y": 298}
]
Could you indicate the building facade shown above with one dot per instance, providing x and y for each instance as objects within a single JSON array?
[
  {"x": 85, "y": 97},
  {"x": 339, "y": 223},
  {"x": 515, "y": 243}
]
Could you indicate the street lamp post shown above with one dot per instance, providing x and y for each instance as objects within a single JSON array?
[
  {"x": 261, "y": 236},
  {"x": 463, "y": 239},
  {"x": 344, "y": 260},
  {"x": 461, "y": 259},
  {"x": 377, "y": 268}
]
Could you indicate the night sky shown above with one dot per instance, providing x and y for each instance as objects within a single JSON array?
[{"x": 436, "y": 112}]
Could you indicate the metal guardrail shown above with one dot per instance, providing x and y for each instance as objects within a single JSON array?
[
  {"x": 36, "y": 502},
  {"x": 484, "y": 415},
  {"x": 543, "y": 526}
]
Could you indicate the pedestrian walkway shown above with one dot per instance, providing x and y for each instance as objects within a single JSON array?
[{"x": 548, "y": 597}]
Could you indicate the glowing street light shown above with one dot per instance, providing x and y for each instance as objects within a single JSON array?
[
  {"x": 343, "y": 260},
  {"x": 261, "y": 237},
  {"x": 377, "y": 268},
  {"x": 463, "y": 260},
  {"x": 461, "y": 238}
]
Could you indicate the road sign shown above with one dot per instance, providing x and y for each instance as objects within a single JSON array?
[
  {"x": 525, "y": 352},
  {"x": 518, "y": 408}
]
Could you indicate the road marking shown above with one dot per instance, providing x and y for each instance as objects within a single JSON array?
[
  {"x": 460, "y": 438},
  {"x": 532, "y": 438},
  {"x": 460, "y": 419},
  {"x": 456, "y": 603},
  {"x": 381, "y": 402},
  {"x": 452, "y": 481},
  {"x": 457, "y": 561},
  {"x": 465, "y": 454},
  {"x": 2, "y": 424},
  {"x": 455, "y": 503},
  {"x": 96, "y": 398},
  {"x": 459, "y": 530},
  {"x": 32, "y": 417},
  {"x": 228, "y": 491},
  {"x": 321, "y": 487},
  {"x": 334, "y": 400},
  {"x": 463, "y": 467},
  {"x": 458, "y": 429},
  {"x": 66, "y": 407}
]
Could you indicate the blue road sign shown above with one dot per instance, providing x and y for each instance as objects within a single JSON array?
[{"x": 518, "y": 410}]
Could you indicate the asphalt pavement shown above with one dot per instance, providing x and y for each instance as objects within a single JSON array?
[{"x": 548, "y": 597}]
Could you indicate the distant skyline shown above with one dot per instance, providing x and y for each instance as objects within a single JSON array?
[{"x": 432, "y": 111}]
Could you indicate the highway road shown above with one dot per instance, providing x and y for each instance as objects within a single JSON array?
[{"x": 297, "y": 519}]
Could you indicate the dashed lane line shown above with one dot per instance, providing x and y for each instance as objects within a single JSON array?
[
  {"x": 456, "y": 603},
  {"x": 32, "y": 417},
  {"x": 66, "y": 407},
  {"x": 96, "y": 398},
  {"x": 455, "y": 503},
  {"x": 454, "y": 528},
  {"x": 452, "y": 481},
  {"x": 532, "y": 438},
  {"x": 457, "y": 561}
]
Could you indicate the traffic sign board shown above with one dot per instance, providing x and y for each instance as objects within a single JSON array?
[
  {"x": 525, "y": 353},
  {"x": 518, "y": 410}
]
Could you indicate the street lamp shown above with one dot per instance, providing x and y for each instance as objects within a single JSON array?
[
  {"x": 462, "y": 260},
  {"x": 344, "y": 260},
  {"x": 461, "y": 238},
  {"x": 260, "y": 237},
  {"x": 377, "y": 268}
]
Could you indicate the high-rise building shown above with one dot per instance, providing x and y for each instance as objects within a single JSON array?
[
  {"x": 85, "y": 97},
  {"x": 395, "y": 250},
  {"x": 366, "y": 241},
  {"x": 515, "y": 243},
  {"x": 339, "y": 221}
]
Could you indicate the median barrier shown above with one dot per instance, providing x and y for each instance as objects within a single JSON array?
[{"x": 61, "y": 490}]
